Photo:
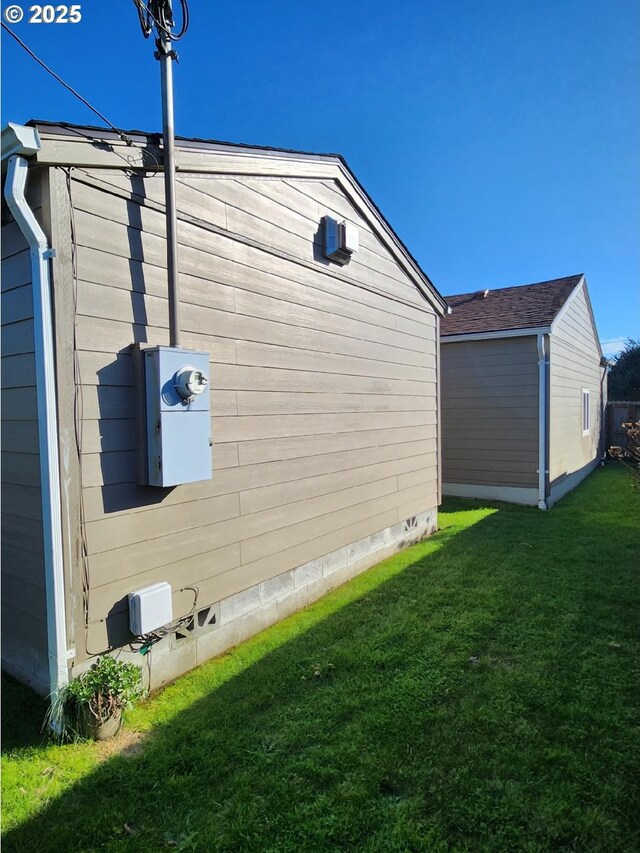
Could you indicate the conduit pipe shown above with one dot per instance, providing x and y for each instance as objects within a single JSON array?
[
  {"x": 14, "y": 193},
  {"x": 166, "y": 56},
  {"x": 542, "y": 423}
]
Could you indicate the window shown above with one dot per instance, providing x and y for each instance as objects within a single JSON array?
[{"x": 586, "y": 411}]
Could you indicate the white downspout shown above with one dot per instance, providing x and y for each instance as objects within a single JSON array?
[
  {"x": 47, "y": 421},
  {"x": 542, "y": 424}
]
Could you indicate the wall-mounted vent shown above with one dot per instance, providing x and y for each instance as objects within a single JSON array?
[{"x": 340, "y": 240}]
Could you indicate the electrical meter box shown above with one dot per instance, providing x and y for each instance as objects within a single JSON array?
[
  {"x": 150, "y": 608},
  {"x": 178, "y": 418}
]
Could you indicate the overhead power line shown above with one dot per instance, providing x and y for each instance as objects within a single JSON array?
[
  {"x": 160, "y": 14},
  {"x": 69, "y": 88}
]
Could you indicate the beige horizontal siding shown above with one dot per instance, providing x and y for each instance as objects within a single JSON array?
[
  {"x": 105, "y": 401},
  {"x": 269, "y": 325},
  {"x": 242, "y": 212},
  {"x": 120, "y": 467},
  {"x": 323, "y": 385},
  {"x": 17, "y": 338},
  {"x": 308, "y": 199},
  {"x": 13, "y": 245},
  {"x": 20, "y": 468},
  {"x": 489, "y": 401},
  {"x": 20, "y": 565},
  {"x": 16, "y": 268},
  {"x": 165, "y": 550},
  {"x": 18, "y": 371},
  {"x": 216, "y": 573},
  {"x": 126, "y": 497},
  {"x": 24, "y": 644},
  {"x": 575, "y": 364},
  {"x": 22, "y": 500},
  {"x": 19, "y": 404},
  {"x": 117, "y": 434},
  {"x": 274, "y": 223},
  {"x": 249, "y": 310},
  {"x": 20, "y": 436},
  {"x": 24, "y": 630},
  {"x": 17, "y": 304}
]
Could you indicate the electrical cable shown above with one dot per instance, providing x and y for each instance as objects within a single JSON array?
[
  {"x": 126, "y": 139},
  {"x": 78, "y": 413},
  {"x": 153, "y": 637},
  {"x": 69, "y": 88},
  {"x": 158, "y": 13}
]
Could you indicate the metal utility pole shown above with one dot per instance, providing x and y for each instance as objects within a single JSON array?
[
  {"x": 158, "y": 15},
  {"x": 166, "y": 55}
]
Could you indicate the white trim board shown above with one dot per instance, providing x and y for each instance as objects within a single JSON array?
[
  {"x": 489, "y": 336},
  {"x": 509, "y": 494}
]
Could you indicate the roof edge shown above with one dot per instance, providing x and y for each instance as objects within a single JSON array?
[
  {"x": 578, "y": 275},
  {"x": 501, "y": 333},
  {"x": 155, "y": 139},
  {"x": 87, "y": 134}
]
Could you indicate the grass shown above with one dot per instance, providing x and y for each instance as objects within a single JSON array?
[{"x": 477, "y": 692}]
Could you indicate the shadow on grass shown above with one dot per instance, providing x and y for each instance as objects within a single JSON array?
[
  {"x": 22, "y": 715},
  {"x": 480, "y": 699}
]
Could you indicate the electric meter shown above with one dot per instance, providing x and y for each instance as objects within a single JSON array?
[{"x": 190, "y": 382}]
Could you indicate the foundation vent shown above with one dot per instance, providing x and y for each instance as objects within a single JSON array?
[{"x": 199, "y": 623}]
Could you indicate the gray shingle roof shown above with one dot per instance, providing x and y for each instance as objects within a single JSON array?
[{"x": 523, "y": 307}]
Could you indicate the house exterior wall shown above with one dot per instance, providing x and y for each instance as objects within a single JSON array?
[
  {"x": 323, "y": 384},
  {"x": 574, "y": 365},
  {"x": 489, "y": 400},
  {"x": 24, "y": 629}
]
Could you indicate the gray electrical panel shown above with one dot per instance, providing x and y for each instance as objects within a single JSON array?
[{"x": 178, "y": 417}]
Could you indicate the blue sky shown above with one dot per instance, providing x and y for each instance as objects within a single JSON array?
[{"x": 500, "y": 139}]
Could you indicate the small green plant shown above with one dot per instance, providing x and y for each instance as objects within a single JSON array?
[
  {"x": 94, "y": 697},
  {"x": 108, "y": 686}
]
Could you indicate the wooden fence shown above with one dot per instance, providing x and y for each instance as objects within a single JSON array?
[{"x": 620, "y": 412}]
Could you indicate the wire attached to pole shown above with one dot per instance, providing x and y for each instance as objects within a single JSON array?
[
  {"x": 159, "y": 13},
  {"x": 69, "y": 88}
]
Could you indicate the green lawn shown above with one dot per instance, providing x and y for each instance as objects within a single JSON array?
[{"x": 477, "y": 692}]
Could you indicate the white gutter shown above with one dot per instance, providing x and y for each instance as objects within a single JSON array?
[
  {"x": 47, "y": 416},
  {"x": 490, "y": 336},
  {"x": 542, "y": 424}
]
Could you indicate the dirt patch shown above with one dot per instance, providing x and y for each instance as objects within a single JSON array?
[{"x": 126, "y": 743}]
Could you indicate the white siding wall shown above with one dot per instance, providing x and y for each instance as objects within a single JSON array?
[{"x": 575, "y": 364}]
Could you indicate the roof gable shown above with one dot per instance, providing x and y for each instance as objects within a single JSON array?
[
  {"x": 66, "y": 144},
  {"x": 529, "y": 306}
]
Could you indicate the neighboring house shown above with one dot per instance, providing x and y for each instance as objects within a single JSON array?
[
  {"x": 523, "y": 392},
  {"x": 322, "y": 388}
]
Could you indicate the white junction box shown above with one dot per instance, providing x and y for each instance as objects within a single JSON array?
[{"x": 150, "y": 608}]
